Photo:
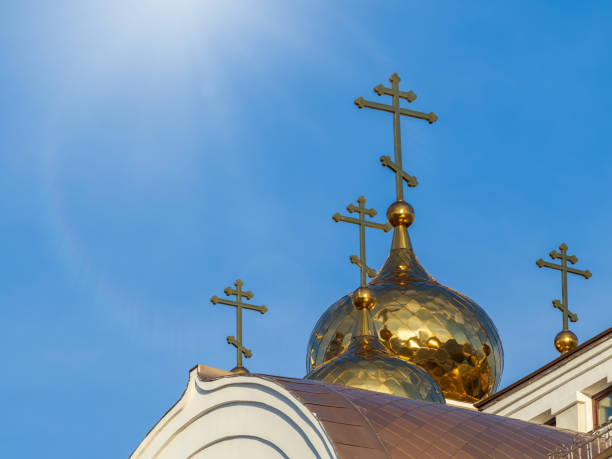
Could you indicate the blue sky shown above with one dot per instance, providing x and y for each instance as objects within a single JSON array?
[{"x": 151, "y": 152}]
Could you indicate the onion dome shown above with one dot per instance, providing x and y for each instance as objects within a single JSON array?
[
  {"x": 367, "y": 364},
  {"x": 418, "y": 320}
]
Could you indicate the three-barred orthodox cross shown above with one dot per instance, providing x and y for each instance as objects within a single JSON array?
[
  {"x": 363, "y": 223},
  {"x": 564, "y": 257},
  {"x": 239, "y": 305},
  {"x": 395, "y": 108}
]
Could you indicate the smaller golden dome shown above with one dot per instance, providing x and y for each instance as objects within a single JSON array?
[
  {"x": 400, "y": 213},
  {"x": 566, "y": 341},
  {"x": 367, "y": 364}
]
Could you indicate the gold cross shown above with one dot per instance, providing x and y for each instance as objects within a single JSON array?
[
  {"x": 361, "y": 221},
  {"x": 564, "y": 257},
  {"x": 239, "y": 305},
  {"x": 395, "y": 108}
]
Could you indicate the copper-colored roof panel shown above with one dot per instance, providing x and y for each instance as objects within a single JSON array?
[
  {"x": 353, "y": 435},
  {"x": 368, "y": 424},
  {"x": 380, "y": 418},
  {"x": 476, "y": 452},
  {"x": 354, "y": 452},
  {"x": 508, "y": 450},
  {"x": 406, "y": 452},
  {"x": 390, "y": 438},
  {"x": 461, "y": 454},
  {"x": 333, "y": 414},
  {"x": 322, "y": 398}
]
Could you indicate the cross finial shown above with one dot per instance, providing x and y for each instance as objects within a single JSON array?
[
  {"x": 361, "y": 221},
  {"x": 568, "y": 341},
  {"x": 239, "y": 305},
  {"x": 395, "y": 108}
]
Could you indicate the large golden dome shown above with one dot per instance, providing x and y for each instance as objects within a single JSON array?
[{"x": 419, "y": 320}]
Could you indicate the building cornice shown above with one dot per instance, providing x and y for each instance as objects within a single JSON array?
[{"x": 546, "y": 369}]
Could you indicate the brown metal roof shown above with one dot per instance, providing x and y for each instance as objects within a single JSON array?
[
  {"x": 542, "y": 371},
  {"x": 365, "y": 424}
]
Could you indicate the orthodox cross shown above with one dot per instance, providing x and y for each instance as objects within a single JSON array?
[
  {"x": 239, "y": 305},
  {"x": 361, "y": 221},
  {"x": 564, "y": 257},
  {"x": 394, "y": 91}
]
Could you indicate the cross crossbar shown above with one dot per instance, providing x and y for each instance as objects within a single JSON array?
[
  {"x": 247, "y": 352},
  {"x": 586, "y": 273},
  {"x": 262, "y": 309},
  {"x": 570, "y": 315},
  {"x": 341, "y": 218},
  {"x": 430, "y": 117},
  {"x": 354, "y": 259},
  {"x": 410, "y": 180},
  {"x": 383, "y": 91}
]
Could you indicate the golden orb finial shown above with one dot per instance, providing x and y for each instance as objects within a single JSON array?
[
  {"x": 566, "y": 341},
  {"x": 400, "y": 213},
  {"x": 363, "y": 298}
]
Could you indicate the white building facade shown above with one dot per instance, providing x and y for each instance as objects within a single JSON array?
[{"x": 573, "y": 391}]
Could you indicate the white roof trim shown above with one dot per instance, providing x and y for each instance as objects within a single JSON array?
[{"x": 236, "y": 416}]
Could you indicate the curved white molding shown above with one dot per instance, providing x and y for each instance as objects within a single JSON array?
[{"x": 236, "y": 417}]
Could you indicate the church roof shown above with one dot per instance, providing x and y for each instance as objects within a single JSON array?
[
  {"x": 367, "y": 424},
  {"x": 546, "y": 369}
]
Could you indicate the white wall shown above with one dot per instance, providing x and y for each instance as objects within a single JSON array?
[{"x": 564, "y": 393}]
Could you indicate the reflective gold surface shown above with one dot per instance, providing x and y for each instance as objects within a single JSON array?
[
  {"x": 366, "y": 364},
  {"x": 363, "y": 298},
  {"x": 423, "y": 322},
  {"x": 566, "y": 341},
  {"x": 400, "y": 213}
]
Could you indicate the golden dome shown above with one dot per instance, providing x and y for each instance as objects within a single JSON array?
[
  {"x": 367, "y": 364},
  {"x": 421, "y": 321}
]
